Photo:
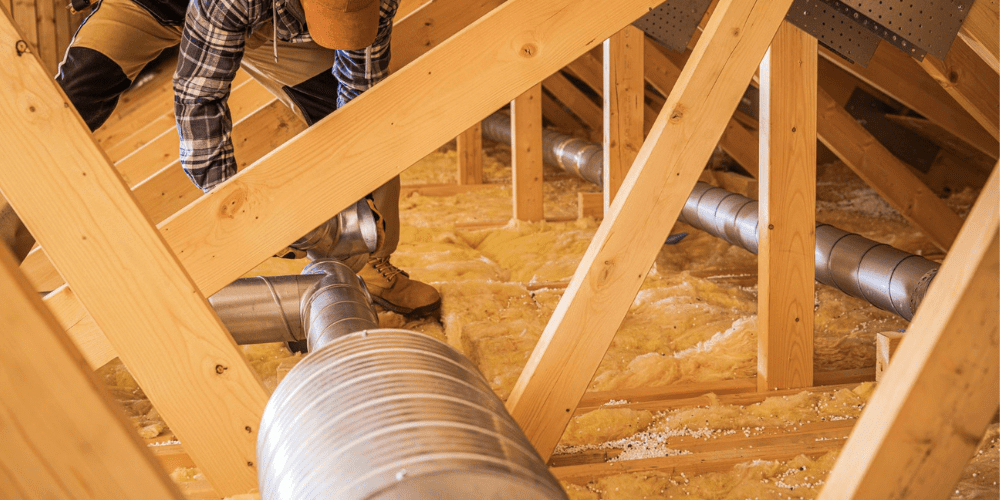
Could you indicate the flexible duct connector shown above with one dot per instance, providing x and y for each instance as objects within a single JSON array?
[
  {"x": 393, "y": 414},
  {"x": 576, "y": 156},
  {"x": 338, "y": 304},
  {"x": 264, "y": 308},
  {"x": 887, "y": 277},
  {"x": 351, "y": 232}
]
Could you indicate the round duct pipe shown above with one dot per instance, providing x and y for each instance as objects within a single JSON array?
[
  {"x": 886, "y": 277},
  {"x": 394, "y": 414},
  {"x": 387, "y": 414}
]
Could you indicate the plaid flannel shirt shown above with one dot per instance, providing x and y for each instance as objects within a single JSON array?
[{"x": 211, "y": 48}]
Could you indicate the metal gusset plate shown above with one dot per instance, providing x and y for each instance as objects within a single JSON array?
[
  {"x": 673, "y": 22},
  {"x": 931, "y": 25},
  {"x": 833, "y": 29},
  {"x": 906, "y": 45}
]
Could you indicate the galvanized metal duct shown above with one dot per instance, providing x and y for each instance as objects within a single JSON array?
[
  {"x": 887, "y": 277},
  {"x": 884, "y": 276},
  {"x": 352, "y": 231},
  {"x": 387, "y": 414},
  {"x": 264, "y": 308},
  {"x": 576, "y": 156}
]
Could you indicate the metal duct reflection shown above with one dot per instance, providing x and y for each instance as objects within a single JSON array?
[
  {"x": 394, "y": 414},
  {"x": 387, "y": 414},
  {"x": 576, "y": 156},
  {"x": 886, "y": 277},
  {"x": 263, "y": 309}
]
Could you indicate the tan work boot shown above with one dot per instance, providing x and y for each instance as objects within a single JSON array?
[{"x": 392, "y": 288}]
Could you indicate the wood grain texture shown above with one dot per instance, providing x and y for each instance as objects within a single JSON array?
[
  {"x": 981, "y": 31},
  {"x": 627, "y": 241},
  {"x": 624, "y": 94},
  {"x": 470, "y": 155},
  {"x": 125, "y": 275},
  {"x": 885, "y": 347},
  {"x": 899, "y": 76},
  {"x": 431, "y": 24},
  {"x": 573, "y": 98},
  {"x": 62, "y": 436},
  {"x": 137, "y": 163},
  {"x": 222, "y": 235},
  {"x": 932, "y": 406},
  {"x": 589, "y": 205},
  {"x": 786, "y": 258},
  {"x": 971, "y": 81},
  {"x": 885, "y": 173},
  {"x": 526, "y": 155}
]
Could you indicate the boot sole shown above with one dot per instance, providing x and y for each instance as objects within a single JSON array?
[{"x": 405, "y": 311}]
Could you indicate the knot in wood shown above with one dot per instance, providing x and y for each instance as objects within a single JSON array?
[
  {"x": 232, "y": 204},
  {"x": 529, "y": 50}
]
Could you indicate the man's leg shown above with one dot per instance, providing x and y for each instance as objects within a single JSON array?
[
  {"x": 112, "y": 45},
  {"x": 303, "y": 80}
]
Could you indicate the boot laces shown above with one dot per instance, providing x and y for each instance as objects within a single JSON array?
[{"x": 386, "y": 269}]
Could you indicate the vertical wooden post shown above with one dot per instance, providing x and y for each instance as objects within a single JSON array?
[
  {"x": 470, "y": 155},
  {"x": 786, "y": 259},
  {"x": 61, "y": 436},
  {"x": 626, "y": 244},
  {"x": 120, "y": 267},
  {"x": 526, "y": 144},
  {"x": 941, "y": 390},
  {"x": 624, "y": 85}
]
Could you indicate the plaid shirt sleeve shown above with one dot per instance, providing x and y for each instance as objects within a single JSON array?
[
  {"x": 210, "y": 52},
  {"x": 359, "y": 70}
]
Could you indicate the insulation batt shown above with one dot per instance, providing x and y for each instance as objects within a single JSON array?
[{"x": 694, "y": 320}]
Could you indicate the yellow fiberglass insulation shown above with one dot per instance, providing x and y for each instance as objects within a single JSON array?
[{"x": 694, "y": 319}]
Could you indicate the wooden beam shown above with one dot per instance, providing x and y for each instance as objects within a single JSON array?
[
  {"x": 573, "y": 98},
  {"x": 166, "y": 190},
  {"x": 138, "y": 163},
  {"x": 885, "y": 347},
  {"x": 899, "y": 76},
  {"x": 125, "y": 275},
  {"x": 624, "y": 94},
  {"x": 169, "y": 190},
  {"x": 931, "y": 408},
  {"x": 589, "y": 205},
  {"x": 556, "y": 113},
  {"x": 431, "y": 24},
  {"x": 470, "y": 155},
  {"x": 627, "y": 241},
  {"x": 46, "y": 20},
  {"x": 63, "y": 436},
  {"x": 661, "y": 74},
  {"x": 889, "y": 176},
  {"x": 786, "y": 260},
  {"x": 526, "y": 161},
  {"x": 252, "y": 215},
  {"x": 981, "y": 32},
  {"x": 971, "y": 81}
]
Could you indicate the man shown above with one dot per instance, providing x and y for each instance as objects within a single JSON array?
[
  {"x": 272, "y": 42},
  {"x": 290, "y": 47}
]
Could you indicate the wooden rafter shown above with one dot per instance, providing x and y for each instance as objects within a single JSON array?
[
  {"x": 624, "y": 104},
  {"x": 124, "y": 273},
  {"x": 885, "y": 173},
  {"x": 899, "y": 76},
  {"x": 969, "y": 79},
  {"x": 61, "y": 434},
  {"x": 786, "y": 259},
  {"x": 248, "y": 218},
  {"x": 941, "y": 389},
  {"x": 526, "y": 155},
  {"x": 622, "y": 251},
  {"x": 470, "y": 155}
]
